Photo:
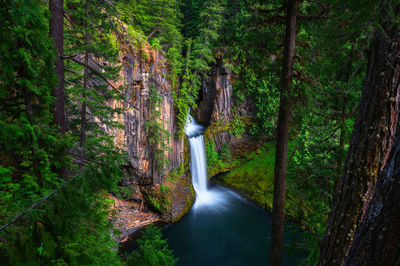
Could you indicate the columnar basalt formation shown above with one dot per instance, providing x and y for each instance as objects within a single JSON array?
[
  {"x": 142, "y": 70},
  {"x": 217, "y": 109}
]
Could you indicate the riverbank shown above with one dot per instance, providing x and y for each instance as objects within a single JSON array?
[
  {"x": 253, "y": 178},
  {"x": 130, "y": 216}
]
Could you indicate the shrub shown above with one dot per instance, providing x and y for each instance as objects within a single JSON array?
[{"x": 152, "y": 250}]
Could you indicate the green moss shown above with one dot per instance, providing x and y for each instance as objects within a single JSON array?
[
  {"x": 254, "y": 179},
  {"x": 168, "y": 197},
  {"x": 158, "y": 199}
]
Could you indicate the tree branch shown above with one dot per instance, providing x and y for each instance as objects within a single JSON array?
[
  {"x": 37, "y": 204},
  {"x": 73, "y": 59},
  {"x": 151, "y": 33}
]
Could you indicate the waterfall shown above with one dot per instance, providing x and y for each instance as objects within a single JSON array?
[{"x": 198, "y": 164}]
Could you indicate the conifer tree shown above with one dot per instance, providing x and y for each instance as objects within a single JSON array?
[
  {"x": 32, "y": 150},
  {"x": 278, "y": 210}
]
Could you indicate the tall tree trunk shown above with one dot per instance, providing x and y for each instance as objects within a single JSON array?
[
  {"x": 278, "y": 211},
  {"x": 85, "y": 82},
  {"x": 57, "y": 33},
  {"x": 377, "y": 239},
  {"x": 370, "y": 145}
]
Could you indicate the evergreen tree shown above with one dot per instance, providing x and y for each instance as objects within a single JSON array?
[
  {"x": 32, "y": 151},
  {"x": 371, "y": 141}
]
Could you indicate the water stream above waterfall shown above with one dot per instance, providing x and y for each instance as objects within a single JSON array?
[{"x": 222, "y": 228}]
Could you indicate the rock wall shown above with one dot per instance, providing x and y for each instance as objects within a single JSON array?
[
  {"x": 216, "y": 102},
  {"x": 140, "y": 71},
  {"x": 217, "y": 109}
]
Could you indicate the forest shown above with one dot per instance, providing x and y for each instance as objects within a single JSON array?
[{"x": 199, "y": 132}]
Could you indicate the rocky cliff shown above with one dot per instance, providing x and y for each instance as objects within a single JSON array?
[
  {"x": 142, "y": 70},
  {"x": 218, "y": 110},
  {"x": 216, "y": 102},
  {"x": 145, "y": 69}
]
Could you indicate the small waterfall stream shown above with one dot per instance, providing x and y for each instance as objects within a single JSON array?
[
  {"x": 222, "y": 228},
  {"x": 198, "y": 164}
]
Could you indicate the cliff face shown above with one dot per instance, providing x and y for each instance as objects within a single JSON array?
[
  {"x": 142, "y": 70},
  {"x": 145, "y": 69},
  {"x": 216, "y": 101},
  {"x": 218, "y": 110}
]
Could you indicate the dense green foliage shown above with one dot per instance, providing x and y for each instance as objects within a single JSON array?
[
  {"x": 152, "y": 250},
  {"x": 73, "y": 227},
  {"x": 157, "y": 135},
  {"x": 29, "y": 144}
]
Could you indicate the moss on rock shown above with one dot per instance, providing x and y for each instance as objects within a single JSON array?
[{"x": 254, "y": 178}]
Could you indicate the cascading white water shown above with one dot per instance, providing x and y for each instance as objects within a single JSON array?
[{"x": 198, "y": 163}]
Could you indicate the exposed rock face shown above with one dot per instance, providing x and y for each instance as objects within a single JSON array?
[
  {"x": 142, "y": 70},
  {"x": 173, "y": 198},
  {"x": 217, "y": 109},
  {"x": 216, "y": 99}
]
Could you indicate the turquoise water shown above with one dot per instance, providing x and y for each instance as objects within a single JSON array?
[{"x": 229, "y": 230}]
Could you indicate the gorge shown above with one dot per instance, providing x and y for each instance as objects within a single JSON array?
[{"x": 199, "y": 132}]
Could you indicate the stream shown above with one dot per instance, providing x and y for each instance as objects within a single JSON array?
[{"x": 223, "y": 228}]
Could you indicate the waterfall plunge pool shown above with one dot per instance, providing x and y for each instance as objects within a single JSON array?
[
  {"x": 230, "y": 230},
  {"x": 222, "y": 228}
]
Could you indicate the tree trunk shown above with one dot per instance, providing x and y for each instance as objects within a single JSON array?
[
  {"x": 85, "y": 82},
  {"x": 278, "y": 211},
  {"x": 370, "y": 145},
  {"x": 57, "y": 33},
  {"x": 377, "y": 239}
]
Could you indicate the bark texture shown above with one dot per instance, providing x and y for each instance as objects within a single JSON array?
[
  {"x": 377, "y": 239},
  {"x": 370, "y": 146},
  {"x": 278, "y": 209},
  {"x": 57, "y": 33}
]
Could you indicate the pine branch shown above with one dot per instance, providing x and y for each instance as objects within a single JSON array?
[
  {"x": 36, "y": 204},
  {"x": 152, "y": 32},
  {"x": 73, "y": 59}
]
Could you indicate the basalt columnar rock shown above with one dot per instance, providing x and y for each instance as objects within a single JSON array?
[
  {"x": 143, "y": 69},
  {"x": 216, "y": 102},
  {"x": 218, "y": 110}
]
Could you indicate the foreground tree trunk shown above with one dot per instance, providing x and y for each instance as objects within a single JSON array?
[
  {"x": 370, "y": 146},
  {"x": 57, "y": 33},
  {"x": 85, "y": 82},
  {"x": 278, "y": 211},
  {"x": 377, "y": 239}
]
